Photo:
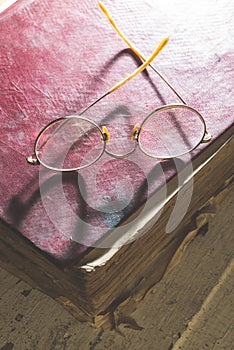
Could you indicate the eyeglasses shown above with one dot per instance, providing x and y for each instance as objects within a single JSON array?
[{"x": 74, "y": 142}]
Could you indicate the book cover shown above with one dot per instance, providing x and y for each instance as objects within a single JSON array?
[{"x": 57, "y": 58}]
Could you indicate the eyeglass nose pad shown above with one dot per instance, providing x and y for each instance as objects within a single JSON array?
[
  {"x": 135, "y": 132},
  {"x": 106, "y": 134}
]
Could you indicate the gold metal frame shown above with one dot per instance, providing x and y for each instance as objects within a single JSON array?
[
  {"x": 207, "y": 136},
  {"x": 170, "y": 106},
  {"x": 136, "y": 132},
  {"x": 36, "y": 160}
]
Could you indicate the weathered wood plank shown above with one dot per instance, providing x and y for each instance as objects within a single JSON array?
[{"x": 164, "y": 314}]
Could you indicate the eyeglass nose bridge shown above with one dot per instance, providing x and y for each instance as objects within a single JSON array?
[{"x": 134, "y": 136}]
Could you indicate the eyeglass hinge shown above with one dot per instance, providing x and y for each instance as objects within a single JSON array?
[
  {"x": 33, "y": 160},
  {"x": 207, "y": 137}
]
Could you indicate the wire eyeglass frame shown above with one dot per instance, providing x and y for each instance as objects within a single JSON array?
[{"x": 136, "y": 132}]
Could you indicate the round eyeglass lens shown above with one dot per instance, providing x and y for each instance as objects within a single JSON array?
[
  {"x": 69, "y": 144},
  {"x": 171, "y": 131}
]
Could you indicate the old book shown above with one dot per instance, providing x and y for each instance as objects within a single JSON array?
[{"x": 92, "y": 239}]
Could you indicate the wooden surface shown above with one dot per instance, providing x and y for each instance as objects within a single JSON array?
[{"x": 191, "y": 309}]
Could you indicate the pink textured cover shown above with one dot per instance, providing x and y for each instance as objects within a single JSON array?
[{"x": 56, "y": 57}]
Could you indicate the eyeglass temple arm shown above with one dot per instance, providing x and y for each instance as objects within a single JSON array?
[
  {"x": 33, "y": 160},
  {"x": 207, "y": 136},
  {"x": 136, "y": 72},
  {"x": 135, "y": 50}
]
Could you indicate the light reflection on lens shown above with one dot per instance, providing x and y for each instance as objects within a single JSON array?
[
  {"x": 70, "y": 143},
  {"x": 171, "y": 131}
]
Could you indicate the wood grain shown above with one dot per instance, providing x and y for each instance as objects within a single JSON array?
[{"x": 166, "y": 314}]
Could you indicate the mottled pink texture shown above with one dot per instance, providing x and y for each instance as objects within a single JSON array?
[{"x": 57, "y": 57}]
